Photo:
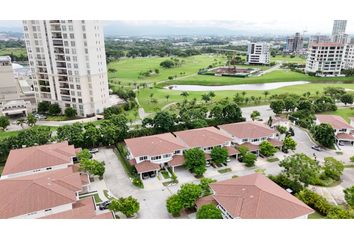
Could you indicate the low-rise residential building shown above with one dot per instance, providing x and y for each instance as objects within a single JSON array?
[
  {"x": 36, "y": 159},
  {"x": 251, "y": 134},
  {"x": 343, "y": 130},
  {"x": 254, "y": 197},
  {"x": 52, "y": 194},
  {"x": 258, "y": 53},
  {"x": 151, "y": 153},
  {"x": 206, "y": 139}
]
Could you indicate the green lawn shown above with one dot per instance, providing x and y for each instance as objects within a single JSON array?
[
  {"x": 159, "y": 94},
  {"x": 128, "y": 69},
  {"x": 14, "y": 51},
  {"x": 345, "y": 113},
  {"x": 288, "y": 59},
  {"x": 8, "y": 134},
  {"x": 275, "y": 76}
]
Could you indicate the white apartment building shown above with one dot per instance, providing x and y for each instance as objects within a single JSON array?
[
  {"x": 348, "y": 59},
  {"x": 325, "y": 58},
  {"x": 68, "y": 63},
  {"x": 9, "y": 89},
  {"x": 258, "y": 53},
  {"x": 295, "y": 43}
]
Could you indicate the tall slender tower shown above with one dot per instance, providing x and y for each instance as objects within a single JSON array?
[{"x": 68, "y": 63}]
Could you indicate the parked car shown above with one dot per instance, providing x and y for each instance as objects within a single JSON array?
[
  {"x": 93, "y": 150},
  {"x": 145, "y": 175},
  {"x": 207, "y": 164},
  {"x": 152, "y": 174},
  {"x": 104, "y": 205},
  {"x": 228, "y": 160},
  {"x": 341, "y": 143},
  {"x": 317, "y": 148}
]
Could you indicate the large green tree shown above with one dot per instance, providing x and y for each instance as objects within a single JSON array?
[
  {"x": 70, "y": 112},
  {"x": 324, "y": 134},
  {"x": 128, "y": 206},
  {"x": 188, "y": 194},
  {"x": 4, "y": 122},
  {"x": 300, "y": 167},
  {"x": 219, "y": 155},
  {"x": 54, "y": 109},
  {"x": 174, "y": 205},
  {"x": 277, "y": 106},
  {"x": 267, "y": 149},
  {"x": 333, "y": 168},
  {"x": 349, "y": 195},
  {"x": 195, "y": 161},
  {"x": 289, "y": 143},
  {"x": 209, "y": 211},
  {"x": 31, "y": 120},
  {"x": 346, "y": 98}
]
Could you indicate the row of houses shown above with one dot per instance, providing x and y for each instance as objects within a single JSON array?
[
  {"x": 151, "y": 153},
  {"x": 45, "y": 182}
]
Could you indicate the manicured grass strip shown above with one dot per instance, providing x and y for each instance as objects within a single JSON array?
[
  {"x": 225, "y": 170},
  {"x": 106, "y": 194},
  {"x": 273, "y": 159}
]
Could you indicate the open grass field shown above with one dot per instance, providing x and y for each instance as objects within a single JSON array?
[
  {"x": 288, "y": 59},
  {"x": 14, "y": 51},
  {"x": 275, "y": 76},
  {"x": 8, "y": 134},
  {"x": 174, "y": 96},
  {"x": 128, "y": 69}
]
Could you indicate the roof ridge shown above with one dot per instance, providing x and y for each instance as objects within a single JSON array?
[{"x": 44, "y": 186}]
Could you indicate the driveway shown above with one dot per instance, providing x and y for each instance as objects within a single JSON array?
[{"x": 152, "y": 198}]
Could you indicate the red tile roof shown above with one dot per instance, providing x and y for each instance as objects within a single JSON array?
[
  {"x": 251, "y": 147},
  {"x": 22, "y": 195},
  {"x": 257, "y": 197},
  {"x": 145, "y": 166},
  {"x": 82, "y": 209},
  {"x": 248, "y": 130},
  {"x": 232, "y": 151},
  {"x": 344, "y": 136},
  {"x": 203, "y": 137},
  {"x": 205, "y": 200},
  {"x": 177, "y": 160},
  {"x": 154, "y": 145},
  {"x": 31, "y": 158},
  {"x": 275, "y": 142},
  {"x": 337, "y": 122}
]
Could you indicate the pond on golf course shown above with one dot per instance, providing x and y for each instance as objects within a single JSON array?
[{"x": 255, "y": 86}]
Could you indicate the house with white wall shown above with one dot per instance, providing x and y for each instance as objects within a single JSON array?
[
  {"x": 343, "y": 130},
  {"x": 36, "y": 159}
]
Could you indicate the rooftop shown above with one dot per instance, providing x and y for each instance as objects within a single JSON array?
[
  {"x": 337, "y": 122},
  {"x": 203, "y": 137},
  {"x": 154, "y": 145},
  {"x": 23, "y": 195},
  {"x": 31, "y": 158},
  {"x": 257, "y": 197},
  {"x": 247, "y": 129}
]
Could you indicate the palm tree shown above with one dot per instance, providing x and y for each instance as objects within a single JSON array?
[
  {"x": 185, "y": 94},
  {"x": 20, "y": 122},
  {"x": 243, "y": 93},
  {"x": 167, "y": 97},
  {"x": 206, "y": 98},
  {"x": 151, "y": 96},
  {"x": 266, "y": 93}
]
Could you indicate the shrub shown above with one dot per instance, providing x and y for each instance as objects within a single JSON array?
[
  {"x": 209, "y": 211},
  {"x": 174, "y": 205}
]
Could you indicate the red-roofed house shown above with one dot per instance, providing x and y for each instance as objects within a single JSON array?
[
  {"x": 254, "y": 197},
  {"x": 52, "y": 193},
  {"x": 150, "y": 153},
  {"x": 343, "y": 130},
  {"x": 206, "y": 139},
  {"x": 250, "y": 134},
  {"x": 26, "y": 161}
]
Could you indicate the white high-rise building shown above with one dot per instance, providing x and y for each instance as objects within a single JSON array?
[
  {"x": 9, "y": 89},
  {"x": 339, "y": 27},
  {"x": 68, "y": 61},
  {"x": 348, "y": 59},
  {"x": 258, "y": 53},
  {"x": 325, "y": 59}
]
